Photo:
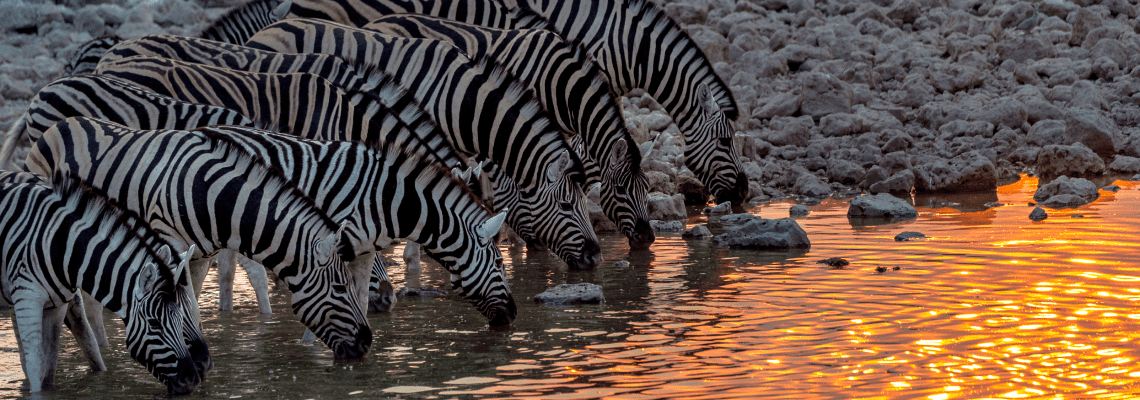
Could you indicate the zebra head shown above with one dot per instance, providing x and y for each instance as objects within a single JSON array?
[
  {"x": 710, "y": 152},
  {"x": 478, "y": 274},
  {"x": 155, "y": 334},
  {"x": 192, "y": 317},
  {"x": 554, "y": 213},
  {"x": 323, "y": 301},
  {"x": 623, "y": 183}
]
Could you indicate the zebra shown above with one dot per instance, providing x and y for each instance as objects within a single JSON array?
[
  {"x": 113, "y": 100},
  {"x": 62, "y": 239},
  {"x": 575, "y": 92},
  {"x": 234, "y": 27},
  {"x": 482, "y": 110},
  {"x": 389, "y": 192},
  {"x": 239, "y": 24},
  {"x": 192, "y": 192},
  {"x": 637, "y": 45}
]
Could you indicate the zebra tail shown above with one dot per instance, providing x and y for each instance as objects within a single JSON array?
[{"x": 10, "y": 140}]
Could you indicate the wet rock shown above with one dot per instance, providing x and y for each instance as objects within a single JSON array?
[
  {"x": 880, "y": 206},
  {"x": 736, "y": 219},
  {"x": 810, "y": 185},
  {"x": 1092, "y": 128},
  {"x": 568, "y": 294},
  {"x": 909, "y": 235},
  {"x": 697, "y": 232},
  {"x": 760, "y": 233},
  {"x": 1075, "y": 160},
  {"x": 798, "y": 210},
  {"x": 1125, "y": 164},
  {"x": 968, "y": 172},
  {"x": 834, "y": 262},
  {"x": 420, "y": 292},
  {"x": 1065, "y": 192},
  {"x": 1111, "y": 188},
  {"x": 666, "y": 226},
  {"x": 1038, "y": 214},
  {"x": 663, "y": 207},
  {"x": 900, "y": 182},
  {"x": 621, "y": 264},
  {"x": 722, "y": 208}
]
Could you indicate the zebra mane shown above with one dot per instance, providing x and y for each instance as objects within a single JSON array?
[
  {"x": 125, "y": 224},
  {"x": 526, "y": 19},
  {"x": 270, "y": 178},
  {"x": 599, "y": 81},
  {"x": 532, "y": 110},
  {"x": 236, "y": 17},
  {"x": 648, "y": 11}
]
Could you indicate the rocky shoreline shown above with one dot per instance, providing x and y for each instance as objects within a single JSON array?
[{"x": 835, "y": 97}]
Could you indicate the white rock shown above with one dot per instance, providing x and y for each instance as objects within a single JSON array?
[
  {"x": 880, "y": 206},
  {"x": 1092, "y": 128},
  {"x": 661, "y": 206},
  {"x": 566, "y": 294},
  {"x": 969, "y": 172},
  {"x": 722, "y": 208},
  {"x": 666, "y": 226},
  {"x": 1075, "y": 160},
  {"x": 810, "y": 185},
  {"x": 697, "y": 232},
  {"x": 1125, "y": 164},
  {"x": 1065, "y": 192}
]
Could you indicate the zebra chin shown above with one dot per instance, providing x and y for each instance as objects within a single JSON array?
[
  {"x": 501, "y": 316},
  {"x": 641, "y": 237},
  {"x": 735, "y": 193},
  {"x": 200, "y": 353},
  {"x": 185, "y": 379},
  {"x": 591, "y": 256},
  {"x": 357, "y": 349}
]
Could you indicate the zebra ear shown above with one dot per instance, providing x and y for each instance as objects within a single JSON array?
[
  {"x": 705, "y": 98},
  {"x": 619, "y": 152},
  {"x": 282, "y": 9},
  {"x": 164, "y": 253},
  {"x": 559, "y": 167},
  {"x": 147, "y": 279},
  {"x": 326, "y": 248},
  {"x": 180, "y": 269},
  {"x": 489, "y": 228}
]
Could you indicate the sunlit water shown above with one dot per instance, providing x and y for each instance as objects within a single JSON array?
[{"x": 993, "y": 305}]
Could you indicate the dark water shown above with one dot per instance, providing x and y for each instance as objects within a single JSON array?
[{"x": 993, "y": 305}]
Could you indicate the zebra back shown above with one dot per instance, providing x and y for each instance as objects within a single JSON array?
[
  {"x": 372, "y": 91},
  {"x": 116, "y": 101},
  {"x": 198, "y": 193},
  {"x": 390, "y": 192},
  {"x": 237, "y": 25},
  {"x": 573, "y": 89},
  {"x": 63, "y": 238},
  {"x": 482, "y": 110},
  {"x": 86, "y": 57},
  {"x": 360, "y": 12}
]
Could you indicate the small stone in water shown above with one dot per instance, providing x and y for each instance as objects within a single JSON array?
[
  {"x": 697, "y": 232},
  {"x": 896, "y": 268},
  {"x": 880, "y": 269},
  {"x": 908, "y": 235},
  {"x": 420, "y": 292},
  {"x": 798, "y": 210},
  {"x": 622, "y": 264},
  {"x": 722, "y": 208},
  {"x": 835, "y": 262},
  {"x": 565, "y": 294},
  {"x": 993, "y": 204},
  {"x": 666, "y": 226},
  {"x": 1077, "y": 216},
  {"x": 1038, "y": 214},
  {"x": 1111, "y": 188}
]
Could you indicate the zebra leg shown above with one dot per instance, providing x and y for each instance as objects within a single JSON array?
[
  {"x": 52, "y": 321},
  {"x": 308, "y": 337},
  {"x": 198, "y": 269},
  {"x": 29, "y": 319},
  {"x": 412, "y": 255},
  {"x": 360, "y": 269},
  {"x": 226, "y": 269},
  {"x": 94, "y": 310},
  {"x": 259, "y": 279},
  {"x": 77, "y": 323}
]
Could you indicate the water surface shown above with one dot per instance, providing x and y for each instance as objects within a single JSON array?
[{"x": 992, "y": 305}]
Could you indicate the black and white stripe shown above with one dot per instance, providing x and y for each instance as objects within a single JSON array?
[
  {"x": 360, "y": 12},
  {"x": 86, "y": 57},
  {"x": 62, "y": 239},
  {"x": 112, "y": 100},
  {"x": 192, "y": 191},
  {"x": 386, "y": 192},
  {"x": 574, "y": 91},
  {"x": 483, "y": 111}
]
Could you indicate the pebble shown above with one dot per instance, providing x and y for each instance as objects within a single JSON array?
[
  {"x": 1038, "y": 214},
  {"x": 568, "y": 294},
  {"x": 834, "y": 262},
  {"x": 697, "y": 232},
  {"x": 907, "y": 236},
  {"x": 798, "y": 210}
]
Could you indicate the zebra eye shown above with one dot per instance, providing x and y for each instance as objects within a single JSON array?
[
  {"x": 338, "y": 288},
  {"x": 153, "y": 323},
  {"x": 726, "y": 142},
  {"x": 620, "y": 190},
  {"x": 565, "y": 206}
]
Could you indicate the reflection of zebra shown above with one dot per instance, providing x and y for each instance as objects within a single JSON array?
[
  {"x": 482, "y": 111},
  {"x": 634, "y": 41},
  {"x": 60, "y": 240},
  {"x": 193, "y": 192},
  {"x": 111, "y": 100},
  {"x": 234, "y": 27},
  {"x": 387, "y": 192},
  {"x": 573, "y": 90}
]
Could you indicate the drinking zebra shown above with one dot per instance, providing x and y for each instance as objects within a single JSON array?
[
  {"x": 483, "y": 111},
  {"x": 635, "y": 42},
  {"x": 573, "y": 89},
  {"x": 192, "y": 192},
  {"x": 63, "y": 239}
]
